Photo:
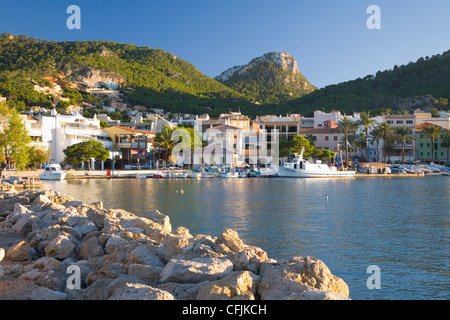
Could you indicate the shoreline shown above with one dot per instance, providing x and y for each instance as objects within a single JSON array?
[{"x": 121, "y": 256}]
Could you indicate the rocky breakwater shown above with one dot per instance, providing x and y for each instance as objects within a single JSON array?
[{"x": 55, "y": 247}]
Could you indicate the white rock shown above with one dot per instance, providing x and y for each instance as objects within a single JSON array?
[
  {"x": 196, "y": 270},
  {"x": 2, "y": 254}
]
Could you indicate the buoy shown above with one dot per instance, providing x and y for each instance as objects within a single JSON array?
[
  {"x": 326, "y": 197},
  {"x": 181, "y": 191}
]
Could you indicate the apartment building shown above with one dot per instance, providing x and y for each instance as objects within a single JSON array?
[{"x": 57, "y": 132}]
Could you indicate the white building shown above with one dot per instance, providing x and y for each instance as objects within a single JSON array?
[{"x": 57, "y": 132}]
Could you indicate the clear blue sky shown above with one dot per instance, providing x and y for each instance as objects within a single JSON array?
[{"x": 328, "y": 38}]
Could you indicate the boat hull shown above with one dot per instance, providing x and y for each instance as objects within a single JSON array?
[
  {"x": 53, "y": 176},
  {"x": 298, "y": 173}
]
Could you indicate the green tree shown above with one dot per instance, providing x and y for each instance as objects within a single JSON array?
[
  {"x": 84, "y": 151},
  {"x": 366, "y": 123},
  {"x": 347, "y": 126},
  {"x": 163, "y": 141},
  {"x": 385, "y": 130},
  {"x": 296, "y": 145},
  {"x": 403, "y": 134},
  {"x": 377, "y": 135},
  {"x": 38, "y": 155},
  {"x": 14, "y": 139},
  {"x": 432, "y": 132},
  {"x": 445, "y": 139}
]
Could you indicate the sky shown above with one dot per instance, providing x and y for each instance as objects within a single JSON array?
[{"x": 329, "y": 38}]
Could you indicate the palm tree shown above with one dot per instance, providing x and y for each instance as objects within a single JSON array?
[
  {"x": 445, "y": 139},
  {"x": 366, "y": 122},
  {"x": 432, "y": 132},
  {"x": 385, "y": 131},
  {"x": 360, "y": 142},
  {"x": 403, "y": 134},
  {"x": 347, "y": 126},
  {"x": 163, "y": 140},
  {"x": 311, "y": 138},
  {"x": 377, "y": 135}
]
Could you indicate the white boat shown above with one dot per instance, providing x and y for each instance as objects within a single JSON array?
[
  {"x": 141, "y": 176},
  {"x": 208, "y": 175},
  {"x": 194, "y": 175},
  {"x": 301, "y": 168},
  {"x": 243, "y": 174},
  {"x": 53, "y": 172},
  {"x": 227, "y": 172}
]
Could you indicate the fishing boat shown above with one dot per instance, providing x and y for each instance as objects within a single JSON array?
[
  {"x": 228, "y": 172},
  {"x": 243, "y": 174},
  {"x": 160, "y": 175},
  {"x": 194, "y": 175},
  {"x": 53, "y": 172},
  {"x": 301, "y": 168},
  {"x": 209, "y": 175}
]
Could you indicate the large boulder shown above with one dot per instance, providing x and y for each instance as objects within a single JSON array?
[
  {"x": 145, "y": 254},
  {"x": 299, "y": 275},
  {"x": 173, "y": 244},
  {"x": 104, "y": 288},
  {"x": 230, "y": 239},
  {"x": 238, "y": 285},
  {"x": 159, "y": 218},
  {"x": 196, "y": 270},
  {"x": 137, "y": 291},
  {"x": 43, "y": 293},
  {"x": 249, "y": 258},
  {"x": 150, "y": 274},
  {"x": 60, "y": 247},
  {"x": 91, "y": 248},
  {"x": 19, "y": 252}
]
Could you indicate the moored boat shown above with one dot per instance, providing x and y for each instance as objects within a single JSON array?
[
  {"x": 53, "y": 172},
  {"x": 301, "y": 168}
]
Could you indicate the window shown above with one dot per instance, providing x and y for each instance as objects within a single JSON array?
[
  {"x": 409, "y": 122},
  {"x": 335, "y": 138},
  {"x": 390, "y": 122},
  {"x": 421, "y": 145},
  {"x": 327, "y": 138},
  {"x": 399, "y": 121}
]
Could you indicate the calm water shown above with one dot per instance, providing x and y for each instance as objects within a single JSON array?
[{"x": 399, "y": 224}]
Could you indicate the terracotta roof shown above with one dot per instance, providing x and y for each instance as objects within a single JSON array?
[
  {"x": 136, "y": 131},
  {"x": 424, "y": 125}
]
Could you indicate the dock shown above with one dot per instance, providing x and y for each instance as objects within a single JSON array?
[{"x": 389, "y": 175}]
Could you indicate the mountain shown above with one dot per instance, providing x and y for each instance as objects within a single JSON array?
[
  {"x": 422, "y": 84},
  {"x": 272, "y": 78},
  {"x": 149, "y": 77},
  {"x": 154, "y": 78}
]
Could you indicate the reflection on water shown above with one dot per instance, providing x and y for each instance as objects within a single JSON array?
[{"x": 401, "y": 225}]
